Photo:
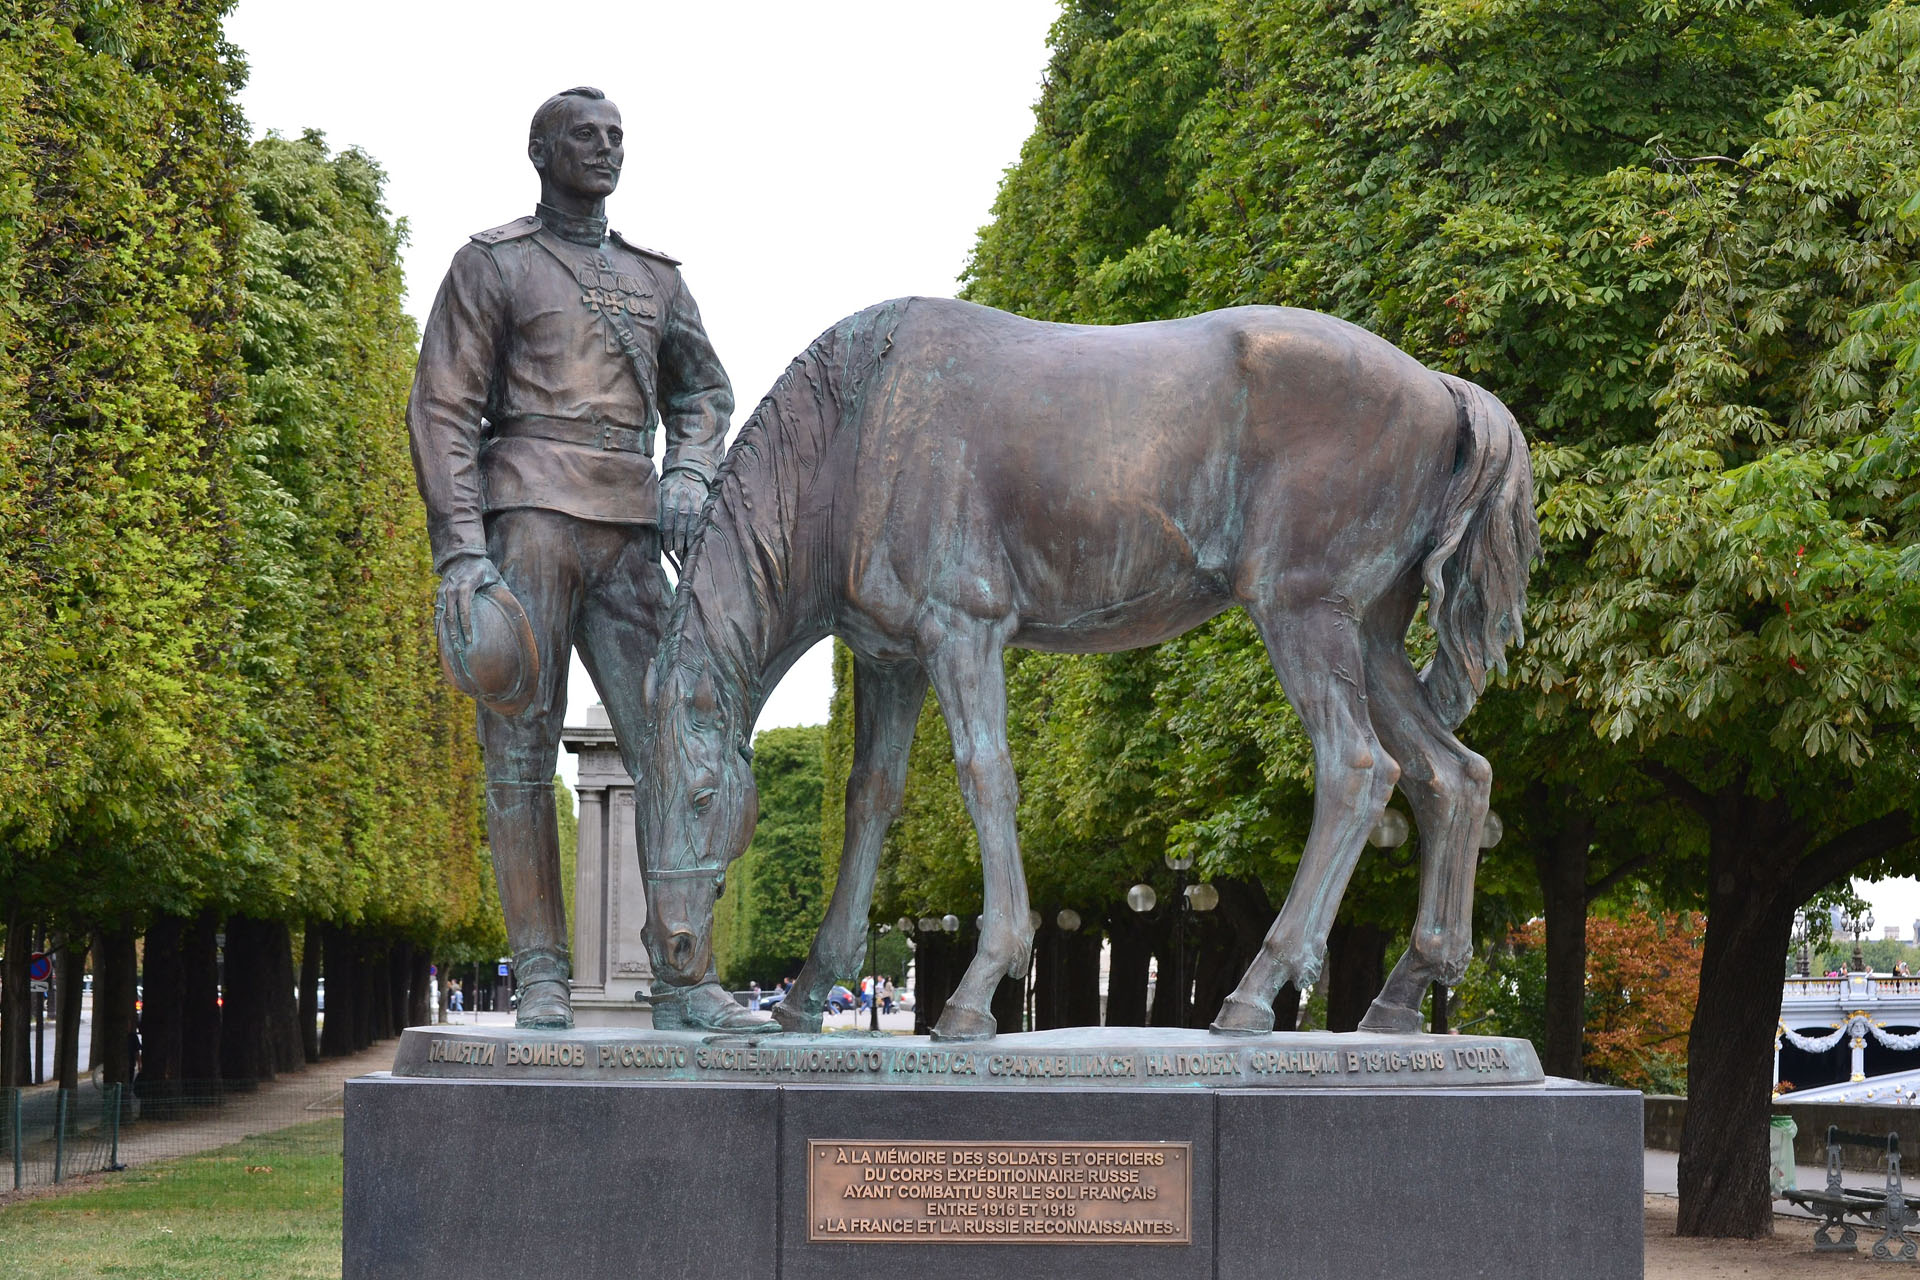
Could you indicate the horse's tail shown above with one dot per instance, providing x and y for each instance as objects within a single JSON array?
[{"x": 1485, "y": 544}]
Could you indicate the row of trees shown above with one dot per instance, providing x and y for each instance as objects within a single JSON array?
[
  {"x": 220, "y": 708},
  {"x": 1677, "y": 238}
]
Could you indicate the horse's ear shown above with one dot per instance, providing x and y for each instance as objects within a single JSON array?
[{"x": 705, "y": 700}]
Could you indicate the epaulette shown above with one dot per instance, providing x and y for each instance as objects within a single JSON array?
[
  {"x": 667, "y": 258},
  {"x": 511, "y": 231}
]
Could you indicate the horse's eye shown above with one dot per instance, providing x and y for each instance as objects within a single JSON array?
[{"x": 703, "y": 799}]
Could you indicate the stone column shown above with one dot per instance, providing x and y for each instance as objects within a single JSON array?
[{"x": 610, "y": 965}]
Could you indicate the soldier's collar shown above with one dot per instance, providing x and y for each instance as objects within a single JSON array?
[{"x": 571, "y": 226}]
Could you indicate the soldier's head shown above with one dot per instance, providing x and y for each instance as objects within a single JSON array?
[{"x": 576, "y": 145}]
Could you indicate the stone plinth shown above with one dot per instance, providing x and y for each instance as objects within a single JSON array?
[
  {"x": 610, "y": 963},
  {"x": 1352, "y": 1174}
]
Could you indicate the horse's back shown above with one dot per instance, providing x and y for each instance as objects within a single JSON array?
[{"x": 1103, "y": 483}]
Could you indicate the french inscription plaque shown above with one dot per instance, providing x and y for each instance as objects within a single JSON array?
[{"x": 866, "y": 1192}]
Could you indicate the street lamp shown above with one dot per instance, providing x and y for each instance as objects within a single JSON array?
[
  {"x": 1859, "y": 925},
  {"x": 1802, "y": 934}
]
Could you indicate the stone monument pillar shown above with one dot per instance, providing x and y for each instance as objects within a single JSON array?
[{"x": 610, "y": 965}]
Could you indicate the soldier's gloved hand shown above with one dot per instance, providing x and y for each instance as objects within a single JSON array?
[
  {"x": 463, "y": 577},
  {"x": 683, "y": 498}
]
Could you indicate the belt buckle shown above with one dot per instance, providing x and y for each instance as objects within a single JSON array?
[{"x": 606, "y": 432}]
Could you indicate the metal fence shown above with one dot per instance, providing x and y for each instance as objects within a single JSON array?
[{"x": 48, "y": 1135}]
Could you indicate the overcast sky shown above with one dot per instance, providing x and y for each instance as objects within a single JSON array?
[{"x": 803, "y": 161}]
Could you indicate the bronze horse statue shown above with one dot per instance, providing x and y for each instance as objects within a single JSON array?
[{"x": 933, "y": 481}]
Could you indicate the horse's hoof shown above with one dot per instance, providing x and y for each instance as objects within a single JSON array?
[
  {"x": 1242, "y": 1017},
  {"x": 957, "y": 1022},
  {"x": 794, "y": 1018},
  {"x": 1390, "y": 1019}
]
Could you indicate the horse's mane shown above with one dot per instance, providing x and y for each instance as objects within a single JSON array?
[{"x": 737, "y": 572}]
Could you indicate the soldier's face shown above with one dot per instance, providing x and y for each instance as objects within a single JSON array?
[{"x": 584, "y": 153}]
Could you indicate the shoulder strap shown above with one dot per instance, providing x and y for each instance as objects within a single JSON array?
[{"x": 515, "y": 230}]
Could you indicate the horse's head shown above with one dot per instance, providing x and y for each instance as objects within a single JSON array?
[{"x": 695, "y": 806}]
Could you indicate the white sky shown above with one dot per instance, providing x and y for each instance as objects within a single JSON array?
[{"x": 805, "y": 160}]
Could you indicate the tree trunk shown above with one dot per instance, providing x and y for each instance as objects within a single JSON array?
[
  {"x": 16, "y": 1004},
  {"x": 1286, "y": 1009},
  {"x": 1051, "y": 951},
  {"x": 72, "y": 959},
  {"x": 200, "y": 1005},
  {"x": 1723, "y": 1142},
  {"x": 420, "y": 990},
  {"x": 114, "y": 968},
  {"x": 309, "y": 1012},
  {"x": 284, "y": 1041},
  {"x": 1127, "y": 969},
  {"x": 1082, "y": 961},
  {"x": 371, "y": 1009},
  {"x": 1562, "y": 863},
  {"x": 399, "y": 987},
  {"x": 1235, "y": 930},
  {"x": 246, "y": 1047},
  {"x": 160, "y": 1032},
  {"x": 336, "y": 1026},
  {"x": 1355, "y": 972}
]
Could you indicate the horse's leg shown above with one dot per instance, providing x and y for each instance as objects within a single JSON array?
[
  {"x": 886, "y": 706},
  {"x": 965, "y": 662},
  {"x": 1315, "y": 650},
  {"x": 1447, "y": 787}
]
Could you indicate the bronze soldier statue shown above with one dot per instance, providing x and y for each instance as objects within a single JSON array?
[{"x": 552, "y": 349}]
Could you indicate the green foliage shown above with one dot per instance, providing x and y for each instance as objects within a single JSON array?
[
  {"x": 363, "y": 771},
  {"x": 774, "y": 901},
  {"x": 120, "y": 413},
  {"x": 217, "y": 677}
]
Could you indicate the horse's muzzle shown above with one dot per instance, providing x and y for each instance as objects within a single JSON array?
[{"x": 680, "y": 948}]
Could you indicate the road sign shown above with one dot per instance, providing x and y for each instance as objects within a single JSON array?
[
  {"x": 38, "y": 986},
  {"x": 39, "y": 968},
  {"x": 503, "y": 971}
]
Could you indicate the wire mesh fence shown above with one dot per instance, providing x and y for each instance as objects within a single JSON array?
[{"x": 48, "y": 1135}]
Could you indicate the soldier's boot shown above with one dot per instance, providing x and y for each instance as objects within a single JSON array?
[
  {"x": 525, "y": 837},
  {"x": 542, "y": 978},
  {"x": 706, "y": 1006}
]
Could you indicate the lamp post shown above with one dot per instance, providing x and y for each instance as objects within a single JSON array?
[
  {"x": 1802, "y": 952},
  {"x": 1859, "y": 925}
]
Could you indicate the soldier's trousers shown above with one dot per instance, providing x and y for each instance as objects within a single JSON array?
[{"x": 598, "y": 587}]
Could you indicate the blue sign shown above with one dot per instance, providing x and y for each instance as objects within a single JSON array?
[
  {"x": 503, "y": 971},
  {"x": 39, "y": 968}
]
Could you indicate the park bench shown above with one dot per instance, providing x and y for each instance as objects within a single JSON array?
[{"x": 1889, "y": 1209}]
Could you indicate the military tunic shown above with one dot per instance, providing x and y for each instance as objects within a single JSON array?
[{"x": 545, "y": 364}]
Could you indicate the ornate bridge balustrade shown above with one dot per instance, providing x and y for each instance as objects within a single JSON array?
[{"x": 1843, "y": 1028}]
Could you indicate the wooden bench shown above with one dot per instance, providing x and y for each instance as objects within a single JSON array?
[{"x": 1889, "y": 1209}]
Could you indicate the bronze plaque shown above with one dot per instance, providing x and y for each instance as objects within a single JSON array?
[{"x": 1000, "y": 1192}]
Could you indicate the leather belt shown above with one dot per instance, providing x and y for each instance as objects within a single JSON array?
[{"x": 598, "y": 435}]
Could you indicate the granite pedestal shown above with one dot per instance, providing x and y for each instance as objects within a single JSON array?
[{"x": 526, "y": 1176}]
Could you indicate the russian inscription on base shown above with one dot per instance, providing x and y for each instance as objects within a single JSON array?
[
  {"x": 1101, "y": 1057},
  {"x": 1000, "y": 1192}
]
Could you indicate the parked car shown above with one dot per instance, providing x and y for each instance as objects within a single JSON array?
[{"x": 839, "y": 1000}]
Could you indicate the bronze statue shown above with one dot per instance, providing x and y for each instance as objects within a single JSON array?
[
  {"x": 933, "y": 481},
  {"x": 553, "y": 347}
]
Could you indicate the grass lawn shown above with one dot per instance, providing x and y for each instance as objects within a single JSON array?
[{"x": 266, "y": 1208}]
